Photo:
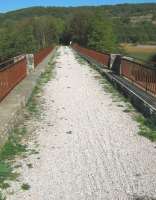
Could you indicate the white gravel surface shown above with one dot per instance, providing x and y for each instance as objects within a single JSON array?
[{"x": 89, "y": 148}]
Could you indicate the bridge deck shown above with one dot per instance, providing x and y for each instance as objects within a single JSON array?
[{"x": 89, "y": 147}]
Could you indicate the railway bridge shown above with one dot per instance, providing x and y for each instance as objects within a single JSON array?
[{"x": 86, "y": 139}]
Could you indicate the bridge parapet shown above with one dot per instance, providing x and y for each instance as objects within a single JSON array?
[
  {"x": 14, "y": 70},
  {"x": 136, "y": 71}
]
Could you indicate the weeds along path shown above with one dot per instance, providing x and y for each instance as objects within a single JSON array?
[{"x": 87, "y": 143}]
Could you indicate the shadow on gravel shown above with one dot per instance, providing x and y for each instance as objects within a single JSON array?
[{"x": 136, "y": 197}]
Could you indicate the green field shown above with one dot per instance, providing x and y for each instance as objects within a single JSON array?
[{"x": 143, "y": 52}]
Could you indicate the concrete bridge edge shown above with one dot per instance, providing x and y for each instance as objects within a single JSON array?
[{"x": 11, "y": 107}]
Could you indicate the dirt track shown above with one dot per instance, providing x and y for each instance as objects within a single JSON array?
[{"x": 89, "y": 147}]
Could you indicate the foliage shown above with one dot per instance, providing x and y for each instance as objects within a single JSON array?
[
  {"x": 29, "y": 35},
  {"x": 93, "y": 31},
  {"x": 153, "y": 58},
  {"x": 80, "y": 27},
  {"x": 99, "y": 27},
  {"x": 25, "y": 186},
  {"x": 141, "y": 32},
  {"x": 147, "y": 127},
  {"x": 12, "y": 148},
  {"x": 2, "y": 196},
  {"x": 101, "y": 35}
]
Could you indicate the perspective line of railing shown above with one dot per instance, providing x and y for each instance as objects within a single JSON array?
[{"x": 138, "y": 73}]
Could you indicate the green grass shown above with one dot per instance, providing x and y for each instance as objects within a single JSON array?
[
  {"x": 2, "y": 197},
  {"x": 6, "y": 174},
  {"x": 33, "y": 151},
  {"x": 33, "y": 104},
  {"x": 25, "y": 186},
  {"x": 147, "y": 127},
  {"x": 12, "y": 148},
  {"x": 5, "y": 185},
  {"x": 5, "y": 171},
  {"x": 80, "y": 60}
]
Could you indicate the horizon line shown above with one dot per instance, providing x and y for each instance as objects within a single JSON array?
[{"x": 74, "y": 6}]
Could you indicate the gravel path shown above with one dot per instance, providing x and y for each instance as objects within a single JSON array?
[{"x": 89, "y": 148}]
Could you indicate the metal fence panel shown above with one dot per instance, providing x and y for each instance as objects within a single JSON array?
[
  {"x": 15, "y": 70},
  {"x": 39, "y": 56},
  {"x": 103, "y": 58},
  {"x": 139, "y": 75},
  {"x": 10, "y": 76}
]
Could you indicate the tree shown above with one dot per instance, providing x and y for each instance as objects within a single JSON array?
[
  {"x": 79, "y": 27},
  {"x": 29, "y": 35},
  {"x": 101, "y": 35},
  {"x": 17, "y": 40},
  {"x": 47, "y": 30}
]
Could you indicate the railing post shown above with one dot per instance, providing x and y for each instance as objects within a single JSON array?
[
  {"x": 115, "y": 63},
  {"x": 146, "y": 81},
  {"x": 30, "y": 63}
]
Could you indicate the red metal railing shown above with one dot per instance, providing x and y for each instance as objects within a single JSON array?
[
  {"x": 103, "y": 58},
  {"x": 139, "y": 74},
  {"x": 6, "y": 63},
  {"x": 39, "y": 56},
  {"x": 11, "y": 75}
]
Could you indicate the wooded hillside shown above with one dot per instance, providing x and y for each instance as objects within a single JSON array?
[{"x": 98, "y": 27}]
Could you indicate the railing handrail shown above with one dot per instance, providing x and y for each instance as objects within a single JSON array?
[
  {"x": 11, "y": 65},
  {"x": 141, "y": 73},
  {"x": 14, "y": 70},
  {"x": 10, "y": 61},
  {"x": 141, "y": 62},
  {"x": 6, "y": 62},
  {"x": 102, "y": 52},
  {"x": 144, "y": 64}
]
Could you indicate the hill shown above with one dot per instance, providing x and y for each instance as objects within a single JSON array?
[
  {"x": 121, "y": 10},
  {"x": 32, "y": 28}
]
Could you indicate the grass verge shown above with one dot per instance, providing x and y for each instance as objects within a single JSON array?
[
  {"x": 12, "y": 148},
  {"x": 2, "y": 197},
  {"x": 147, "y": 127},
  {"x": 32, "y": 105},
  {"x": 80, "y": 60},
  {"x": 25, "y": 186}
]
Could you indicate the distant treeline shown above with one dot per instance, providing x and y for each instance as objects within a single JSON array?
[{"x": 102, "y": 27}]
